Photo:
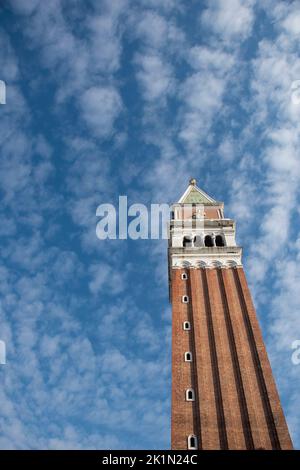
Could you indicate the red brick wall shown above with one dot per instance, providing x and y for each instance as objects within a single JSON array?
[
  {"x": 236, "y": 402},
  {"x": 211, "y": 213}
]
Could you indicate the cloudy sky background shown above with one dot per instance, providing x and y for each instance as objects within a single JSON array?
[{"x": 106, "y": 98}]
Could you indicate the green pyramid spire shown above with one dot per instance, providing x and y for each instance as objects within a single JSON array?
[{"x": 195, "y": 195}]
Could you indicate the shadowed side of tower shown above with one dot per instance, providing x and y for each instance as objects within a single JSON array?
[{"x": 223, "y": 392}]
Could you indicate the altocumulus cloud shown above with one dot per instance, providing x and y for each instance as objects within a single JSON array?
[{"x": 100, "y": 107}]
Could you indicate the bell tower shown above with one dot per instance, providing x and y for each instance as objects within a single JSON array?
[{"x": 223, "y": 391}]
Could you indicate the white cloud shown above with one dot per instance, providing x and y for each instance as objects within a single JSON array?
[
  {"x": 153, "y": 29},
  {"x": 203, "y": 93},
  {"x": 202, "y": 97},
  {"x": 106, "y": 280},
  {"x": 157, "y": 33},
  {"x": 292, "y": 23},
  {"x": 227, "y": 149},
  {"x": 206, "y": 58},
  {"x": 155, "y": 77},
  {"x": 105, "y": 45},
  {"x": 274, "y": 70},
  {"x": 229, "y": 18}
]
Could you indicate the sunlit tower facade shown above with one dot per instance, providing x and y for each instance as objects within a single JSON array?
[{"x": 223, "y": 391}]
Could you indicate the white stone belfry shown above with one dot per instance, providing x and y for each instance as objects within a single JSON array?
[{"x": 200, "y": 235}]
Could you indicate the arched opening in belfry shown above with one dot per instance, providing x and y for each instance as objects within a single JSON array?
[
  {"x": 220, "y": 240},
  {"x": 187, "y": 241},
  {"x": 208, "y": 240}
]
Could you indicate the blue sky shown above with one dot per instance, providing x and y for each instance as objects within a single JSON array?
[{"x": 132, "y": 98}]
